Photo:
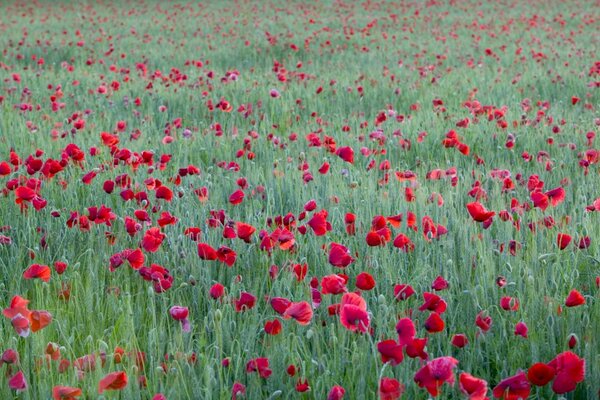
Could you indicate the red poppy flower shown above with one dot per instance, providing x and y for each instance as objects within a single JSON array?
[
  {"x": 216, "y": 291},
  {"x": 236, "y": 197},
  {"x": 406, "y": 331},
  {"x": 244, "y": 231},
  {"x": 353, "y": 313},
  {"x": 152, "y": 240},
  {"x": 574, "y": 299},
  {"x": 473, "y": 387},
  {"x": 260, "y": 365},
  {"x": 417, "y": 349},
  {"x": 237, "y": 389},
  {"x": 226, "y": 255},
  {"x": 273, "y": 327},
  {"x": 434, "y": 323},
  {"x": 364, "y": 281},
  {"x": 478, "y": 212},
  {"x": 245, "y": 302},
  {"x": 404, "y": 243},
  {"x": 333, "y": 284},
  {"x": 113, "y": 381},
  {"x": 515, "y": 387},
  {"x": 18, "y": 382},
  {"x": 390, "y": 351},
  {"x": 563, "y": 240},
  {"x": 336, "y": 393},
  {"x": 390, "y": 389},
  {"x": 540, "y": 200},
  {"x": 433, "y": 302},
  {"x": 540, "y": 374},
  {"x": 484, "y": 322},
  {"x": 319, "y": 224},
  {"x": 39, "y": 319},
  {"x": 339, "y": 255},
  {"x": 521, "y": 329},
  {"x": 279, "y": 304},
  {"x": 403, "y": 291},
  {"x": 301, "y": 312},
  {"x": 570, "y": 370},
  {"x": 439, "y": 284},
  {"x": 206, "y": 252},
  {"x": 65, "y": 393},
  {"x": 346, "y": 153},
  {"x": 459, "y": 340},
  {"x": 163, "y": 192},
  {"x": 433, "y": 374},
  {"x": 556, "y": 196},
  {"x": 509, "y": 303},
  {"x": 42, "y": 272}
]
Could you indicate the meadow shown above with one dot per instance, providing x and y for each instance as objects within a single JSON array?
[{"x": 298, "y": 200}]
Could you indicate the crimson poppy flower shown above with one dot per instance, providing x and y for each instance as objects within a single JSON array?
[
  {"x": 207, "y": 252},
  {"x": 473, "y": 387},
  {"x": 280, "y": 304},
  {"x": 333, "y": 284},
  {"x": 216, "y": 291},
  {"x": 509, "y": 303},
  {"x": 65, "y": 393},
  {"x": 459, "y": 340},
  {"x": 302, "y": 312},
  {"x": 484, "y": 322},
  {"x": 390, "y": 389},
  {"x": 556, "y": 196},
  {"x": 260, "y": 365},
  {"x": 439, "y": 284},
  {"x": 416, "y": 348},
  {"x": 179, "y": 313},
  {"x": 515, "y": 387},
  {"x": 574, "y": 299},
  {"x": 521, "y": 329},
  {"x": 336, "y": 393},
  {"x": 433, "y": 302},
  {"x": 163, "y": 192},
  {"x": 152, "y": 239},
  {"x": 273, "y": 327},
  {"x": 245, "y": 302},
  {"x": 319, "y": 224},
  {"x": 406, "y": 331},
  {"x": 478, "y": 212},
  {"x": 237, "y": 389},
  {"x": 404, "y": 243},
  {"x": 42, "y": 272},
  {"x": 403, "y": 291},
  {"x": 346, "y": 153},
  {"x": 364, "y": 281},
  {"x": 390, "y": 351},
  {"x": 433, "y": 374},
  {"x": 236, "y": 197},
  {"x": 9, "y": 357},
  {"x": 540, "y": 200},
  {"x": 563, "y": 240},
  {"x": 302, "y": 385},
  {"x": 339, "y": 255},
  {"x": 18, "y": 382},
  {"x": 540, "y": 374},
  {"x": 434, "y": 323},
  {"x": 244, "y": 231},
  {"x": 226, "y": 255},
  {"x": 570, "y": 370},
  {"x": 353, "y": 313},
  {"x": 113, "y": 381}
]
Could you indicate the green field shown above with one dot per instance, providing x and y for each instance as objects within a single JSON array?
[{"x": 236, "y": 199}]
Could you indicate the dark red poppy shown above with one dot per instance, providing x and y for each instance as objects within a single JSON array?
[
  {"x": 563, "y": 240},
  {"x": 207, "y": 252},
  {"x": 273, "y": 327},
  {"x": 260, "y": 365},
  {"x": 515, "y": 387},
  {"x": 435, "y": 373},
  {"x": 403, "y": 291},
  {"x": 540, "y": 374},
  {"x": 434, "y": 323},
  {"x": 390, "y": 351},
  {"x": 339, "y": 255},
  {"x": 478, "y": 212},
  {"x": 473, "y": 387},
  {"x": 390, "y": 389},
  {"x": 574, "y": 299},
  {"x": 364, "y": 281},
  {"x": 570, "y": 370}
]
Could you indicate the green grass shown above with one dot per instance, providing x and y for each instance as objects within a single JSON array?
[{"x": 118, "y": 309}]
